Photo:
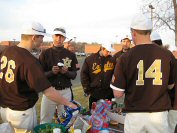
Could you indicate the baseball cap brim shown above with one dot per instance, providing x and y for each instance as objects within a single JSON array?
[
  {"x": 59, "y": 33},
  {"x": 111, "y": 49},
  {"x": 127, "y": 38},
  {"x": 108, "y": 48}
]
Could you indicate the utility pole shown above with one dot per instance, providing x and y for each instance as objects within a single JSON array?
[
  {"x": 75, "y": 39},
  {"x": 151, "y": 7}
]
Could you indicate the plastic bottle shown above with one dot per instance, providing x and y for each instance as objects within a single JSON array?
[
  {"x": 77, "y": 131},
  {"x": 55, "y": 117},
  {"x": 83, "y": 110},
  {"x": 94, "y": 104},
  {"x": 97, "y": 123},
  {"x": 105, "y": 123},
  {"x": 114, "y": 104},
  {"x": 56, "y": 130}
]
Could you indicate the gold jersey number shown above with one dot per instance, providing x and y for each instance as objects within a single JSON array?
[
  {"x": 9, "y": 75},
  {"x": 154, "y": 71}
]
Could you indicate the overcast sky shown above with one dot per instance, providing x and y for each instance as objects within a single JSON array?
[{"x": 87, "y": 20}]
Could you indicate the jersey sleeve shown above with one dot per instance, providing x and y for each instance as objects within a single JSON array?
[
  {"x": 118, "y": 81},
  {"x": 173, "y": 72},
  {"x": 74, "y": 62},
  {"x": 42, "y": 60},
  {"x": 175, "y": 101},
  {"x": 84, "y": 75}
]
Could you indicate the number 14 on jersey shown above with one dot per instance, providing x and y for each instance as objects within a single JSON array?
[{"x": 154, "y": 71}]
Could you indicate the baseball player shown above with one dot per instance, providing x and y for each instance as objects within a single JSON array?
[
  {"x": 155, "y": 38},
  {"x": 144, "y": 75},
  {"x": 172, "y": 115},
  {"x": 59, "y": 65},
  {"x": 96, "y": 74},
  {"x": 22, "y": 78},
  {"x": 126, "y": 42}
]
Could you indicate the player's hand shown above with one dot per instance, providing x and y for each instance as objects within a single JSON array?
[
  {"x": 87, "y": 91},
  {"x": 55, "y": 69},
  {"x": 78, "y": 66},
  {"x": 72, "y": 105},
  {"x": 63, "y": 70},
  {"x": 86, "y": 94}
]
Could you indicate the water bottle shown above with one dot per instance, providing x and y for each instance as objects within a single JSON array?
[
  {"x": 114, "y": 104},
  {"x": 55, "y": 117},
  {"x": 56, "y": 130},
  {"x": 97, "y": 123},
  {"x": 93, "y": 107}
]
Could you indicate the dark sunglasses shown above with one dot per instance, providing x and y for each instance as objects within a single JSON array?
[
  {"x": 59, "y": 29},
  {"x": 44, "y": 31}
]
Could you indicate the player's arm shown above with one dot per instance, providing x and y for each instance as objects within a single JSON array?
[
  {"x": 118, "y": 82},
  {"x": 55, "y": 96},
  {"x": 85, "y": 79},
  {"x": 69, "y": 74},
  {"x": 175, "y": 101},
  {"x": 118, "y": 93},
  {"x": 52, "y": 72},
  {"x": 43, "y": 62},
  {"x": 173, "y": 71}
]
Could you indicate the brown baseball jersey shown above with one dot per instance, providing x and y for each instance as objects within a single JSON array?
[
  {"x": 144, "y": 73},
  {"x": 51, "y": 57},
  {"x": 21, "y": 78},
  {"x": 96, "y": 74},
  {"x": 118, "y": 54}
]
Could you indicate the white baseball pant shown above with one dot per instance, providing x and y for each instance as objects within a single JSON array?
[
  {"x": 172, "y": 120},
  {"x": 156, "y": 122},
  {"x": 48, "y": 106},
  {"x": 20, "y": 119}
]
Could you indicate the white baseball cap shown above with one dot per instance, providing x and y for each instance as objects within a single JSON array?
[
  {"x": 108, "y": 47},
  {"x": 155, "y": 36},
  {"x": 126, "y": 37},
  {"x": 33, "y": 28},
  {"x": 141, "y": 22},
  {"x": 59, "y": 31}
]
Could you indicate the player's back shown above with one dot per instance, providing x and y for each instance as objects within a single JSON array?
[
  {"x": 148, "y": 68},
  {"x": 15, "y": 64}
]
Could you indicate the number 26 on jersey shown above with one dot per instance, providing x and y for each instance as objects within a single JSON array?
[
  {"x": 10, "y": 65},
  {"x": 154, "y": 71}
]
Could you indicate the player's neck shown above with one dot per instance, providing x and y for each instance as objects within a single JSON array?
[
  {"x": 125, "y": 50},
  {"x": 25, "y": 46},
  {"x": 143, "y": 41},
  {"x": 58, "y": 44}
]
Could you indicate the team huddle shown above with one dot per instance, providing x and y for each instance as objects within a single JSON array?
[{"x": 145, "y": 75}]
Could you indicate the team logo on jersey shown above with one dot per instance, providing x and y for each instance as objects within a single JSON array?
[
  {"x": 96, "y": 68},
  {"x": 67, "y": 62},
  {"x": 108, "y": 66}
]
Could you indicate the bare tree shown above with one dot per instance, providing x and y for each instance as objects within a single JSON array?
[{"x": 163, "y": 14}]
